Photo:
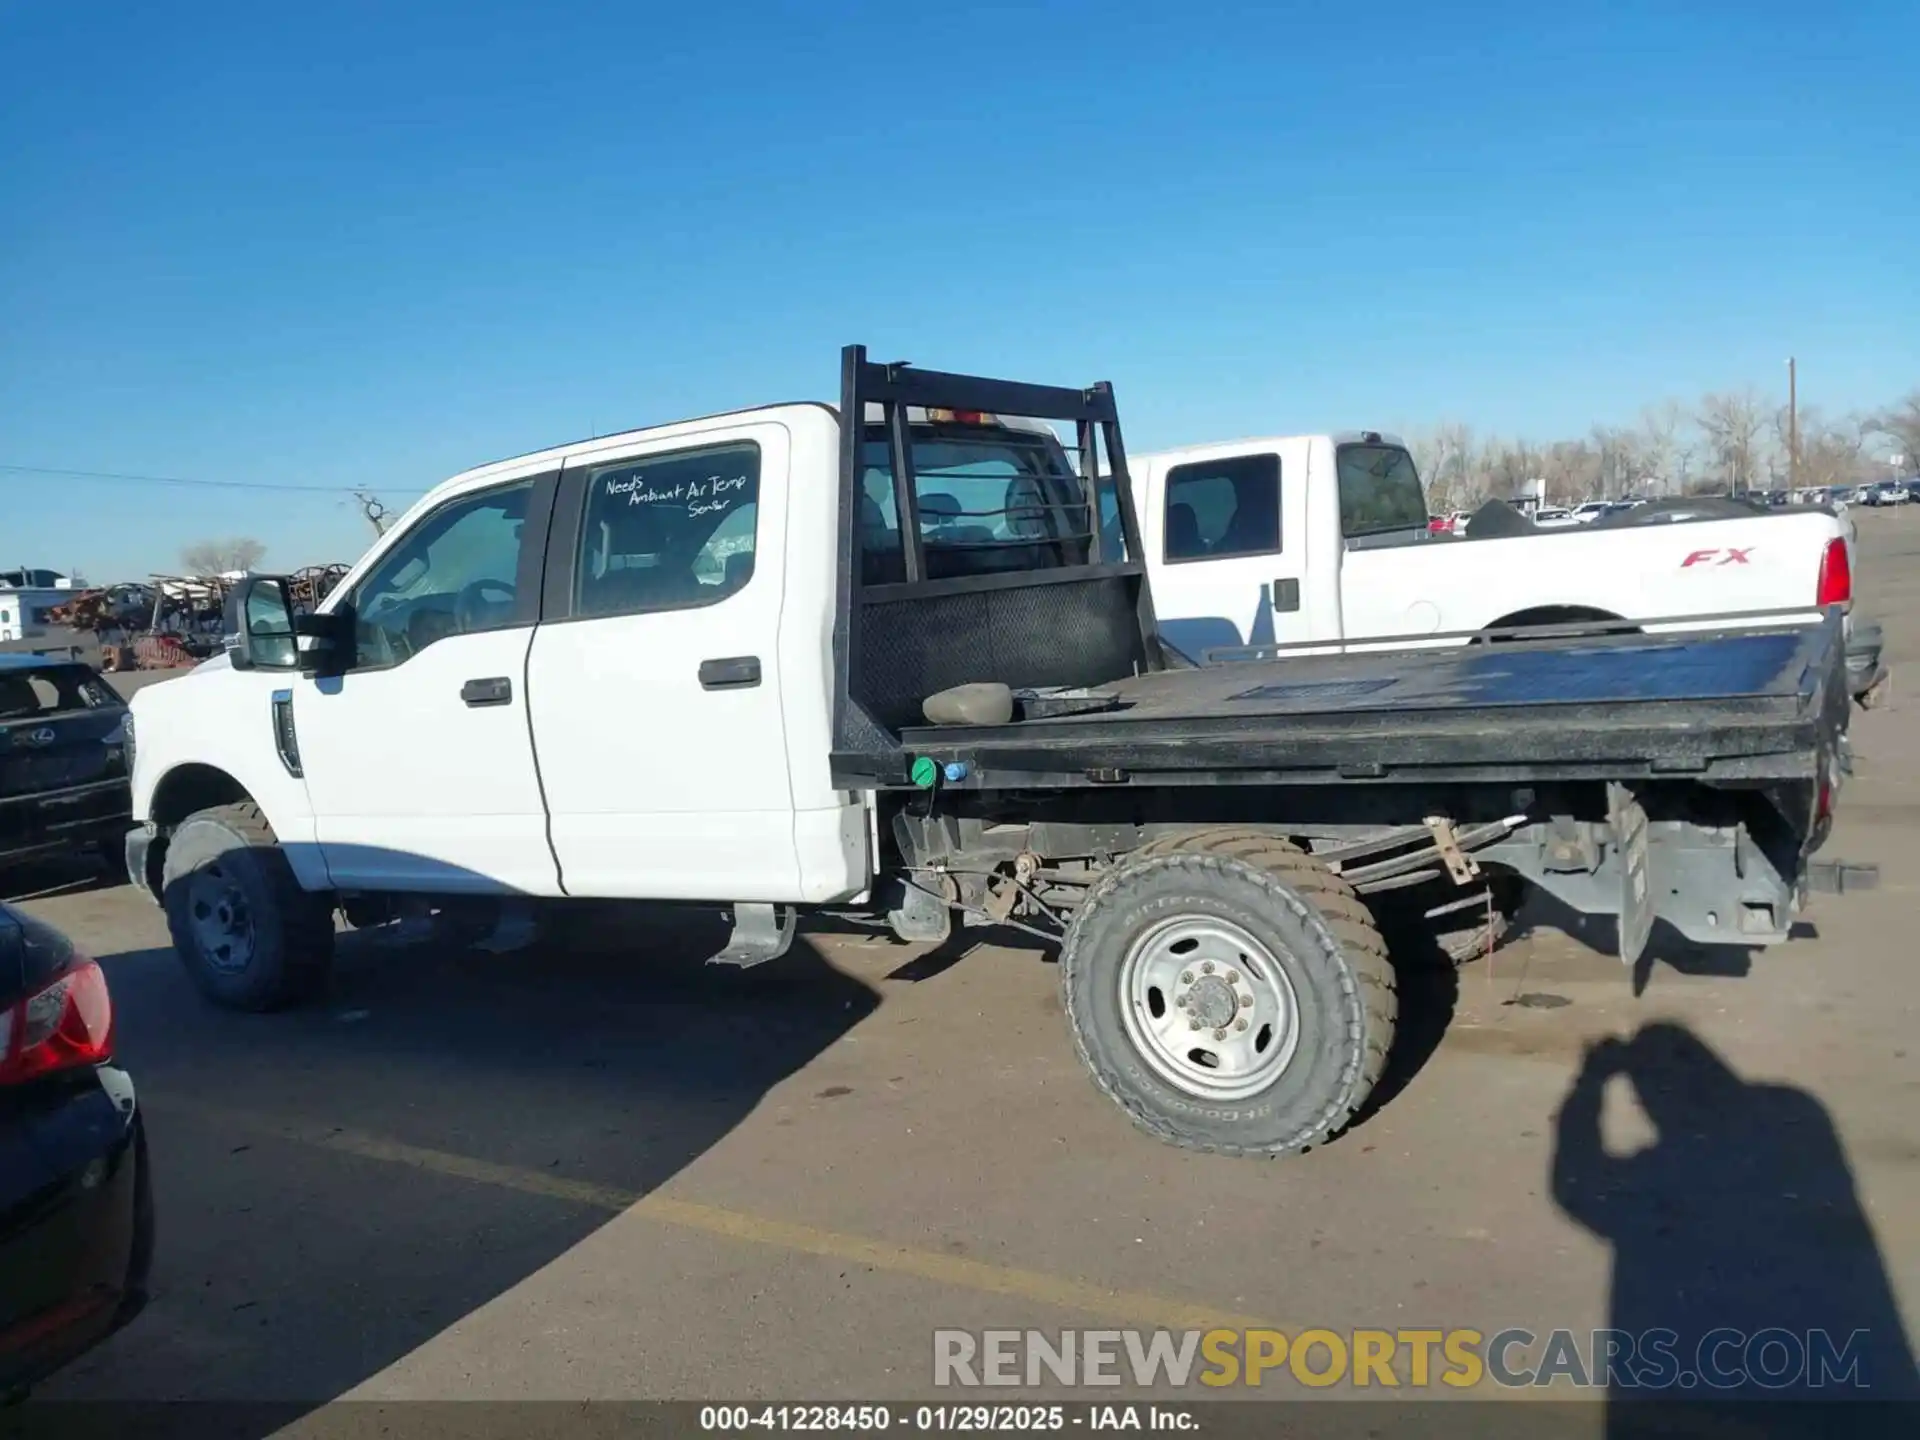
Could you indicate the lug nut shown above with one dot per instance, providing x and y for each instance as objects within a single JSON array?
[
  {"x": 1219, "y": 1034},
  {"x": 1233, "y": 977},
  {"x": 1186, "y": 977},
  {"x": 1207, "y": 966},
  {"x": 1193, "y": 1024},
  {"x": 1246, "y": 1002},
  {"x": 1240, "y": 1024}
]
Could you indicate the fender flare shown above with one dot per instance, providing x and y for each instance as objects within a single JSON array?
[{"x": 188, "y": 786}]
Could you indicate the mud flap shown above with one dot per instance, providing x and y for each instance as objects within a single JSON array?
[
  {"x": 1629, "y": 823},
  {"x": 760, "y": 933}
]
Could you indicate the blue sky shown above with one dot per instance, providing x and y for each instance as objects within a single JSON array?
[{"x": 360, "y": 244}]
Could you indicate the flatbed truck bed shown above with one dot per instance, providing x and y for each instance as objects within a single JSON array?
[{"x": 1745, "y": 705}]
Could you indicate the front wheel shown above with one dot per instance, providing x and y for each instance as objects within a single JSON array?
[
  {"x": 250, "y": 937},
  {"x": 1229, "y": 994}
]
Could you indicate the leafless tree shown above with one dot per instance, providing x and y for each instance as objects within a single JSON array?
[
  {"x": 1429, "y": 457},
  {"x": 1729, "y": 441},
  {"x": 1832, "y": 452},
  {"x": 1448, "y": 460},
  {"x": 1666, "y": 447},
  {"x": 217, "y": 557},
  {"x": 1509, "y": 465},
  {"x": 1620, "y": 455},
  {"x": 1734, "y": 425},
  {"x": 1901, "y": 424}
]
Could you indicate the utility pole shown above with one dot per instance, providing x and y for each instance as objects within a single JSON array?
[{"x": 1793, "y": 427}]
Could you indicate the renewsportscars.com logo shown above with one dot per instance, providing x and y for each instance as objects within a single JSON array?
[{"x": 1725, "y": 1359}]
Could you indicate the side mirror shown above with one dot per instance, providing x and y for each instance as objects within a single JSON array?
[
  {"x": 258, "y": 625},
  {"x": 326, "y": 641}
]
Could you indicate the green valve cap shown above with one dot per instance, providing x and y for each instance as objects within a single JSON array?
[{"x": 925, "y": 773}]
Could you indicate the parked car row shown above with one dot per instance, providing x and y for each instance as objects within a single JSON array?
[
  {"x": 1546, "y": 517},
  {"x": 76, "y": 1207},
  {"x": 1891, "y": 492},
  {"x": 1884, "y": 492},
  {"x": 1559, "y": 517}
]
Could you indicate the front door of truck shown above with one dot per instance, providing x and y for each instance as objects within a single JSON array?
[
  {"x": 1228, "y": 573},
  {"x": 417, "y": 758},
  {"x": 656, "y": 675}
]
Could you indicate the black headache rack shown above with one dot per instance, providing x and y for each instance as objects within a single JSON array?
[{"x": 1085, "y": 620}]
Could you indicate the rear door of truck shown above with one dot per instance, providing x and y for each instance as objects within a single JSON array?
[{"x": 655, "y": 680}]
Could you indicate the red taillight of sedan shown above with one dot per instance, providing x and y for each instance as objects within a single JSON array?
[{"x": 67, "y": 1023}]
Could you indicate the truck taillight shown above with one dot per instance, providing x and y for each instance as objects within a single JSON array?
[
  {"x": 1836, "y": 576},
  {"x": 68, "y": 1023}
]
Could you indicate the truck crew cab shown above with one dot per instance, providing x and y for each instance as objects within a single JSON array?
[{"x": 882, "y": 658}]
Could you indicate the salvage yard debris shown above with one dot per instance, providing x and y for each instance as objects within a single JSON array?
[{"x": 173, "y": 621}]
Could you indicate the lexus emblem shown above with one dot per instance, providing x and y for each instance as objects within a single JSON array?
[{"x": 43, "y": 736}]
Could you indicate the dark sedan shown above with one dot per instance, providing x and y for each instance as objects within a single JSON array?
[
  {"x": 76, "y": 1199},
  {"x": 63, "y": 760}
]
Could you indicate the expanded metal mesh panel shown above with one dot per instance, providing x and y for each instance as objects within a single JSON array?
[{"x": 1080, "y": 633}]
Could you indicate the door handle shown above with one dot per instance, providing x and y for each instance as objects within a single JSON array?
[
  {"x": 1286, "y": 596},
  {"x": 738, "y": 672},
  {"x": 494, "y": 690}
]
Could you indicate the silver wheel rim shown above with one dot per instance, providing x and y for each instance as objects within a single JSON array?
[
  {"x": 221, "y": 920},
  {"x": 1209, "y": 1008}
]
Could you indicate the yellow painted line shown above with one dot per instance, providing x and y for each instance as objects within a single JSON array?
[{"x": 1128, "y": 1307}]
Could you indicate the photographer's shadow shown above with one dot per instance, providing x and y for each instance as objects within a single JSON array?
[{"x": 1738, "y": 1231}]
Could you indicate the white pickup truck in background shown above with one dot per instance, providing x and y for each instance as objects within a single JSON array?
[{"x": 1324, "y": 538}]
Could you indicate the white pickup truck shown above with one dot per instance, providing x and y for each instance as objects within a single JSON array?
[
  {"x": 1324, "y": 538},
  {"x": 775, "y": 661}
]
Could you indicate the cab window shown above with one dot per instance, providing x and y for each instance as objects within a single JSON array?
[
  {"x": 991, "y": 498},
  {"x": 669, "y": 532},
  {"x": 1217, "y": 508},
  {"x": 1379, "y": 491},
  {"x": 453, "y": 573}
]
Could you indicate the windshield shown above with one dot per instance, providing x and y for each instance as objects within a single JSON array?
[
  {"x": 1379, "y": 490},
  {"x": 990, "y": 499}
]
